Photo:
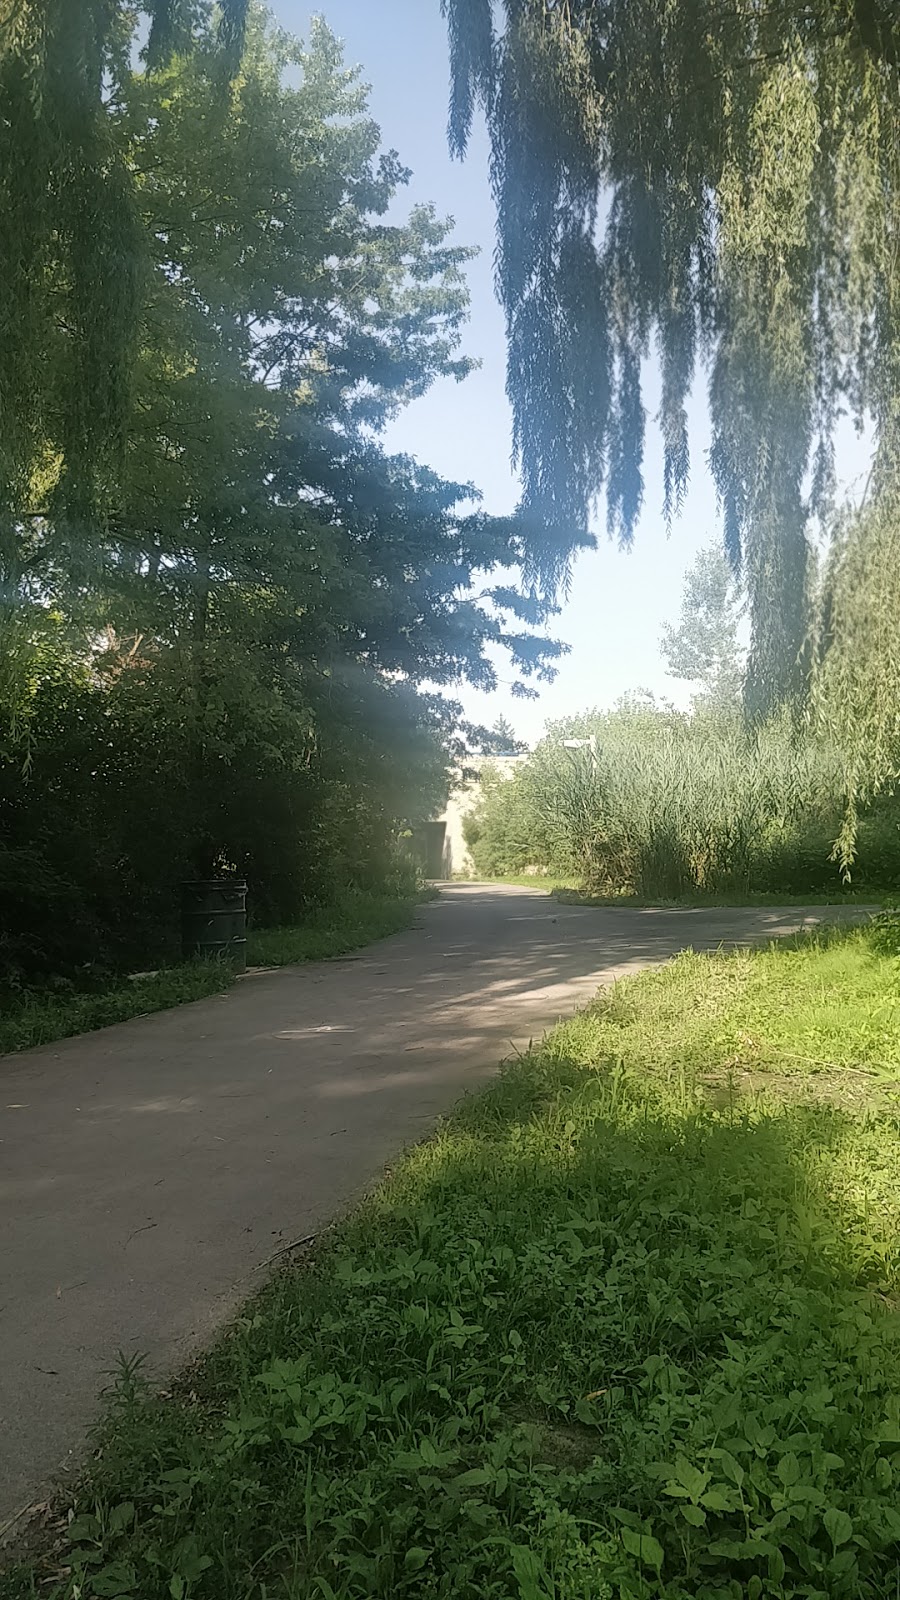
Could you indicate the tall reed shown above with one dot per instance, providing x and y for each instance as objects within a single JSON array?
[{"x": 667, "y": 805}]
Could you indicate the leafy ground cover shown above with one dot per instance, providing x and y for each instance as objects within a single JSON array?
[
  {"x": 38, "y": 1016},
  {"x": 626, "y": 1326}
]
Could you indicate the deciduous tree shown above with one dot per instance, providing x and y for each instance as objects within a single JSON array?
[{"x": 719, "y": 177}]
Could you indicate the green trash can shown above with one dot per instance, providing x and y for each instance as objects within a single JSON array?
[{"x": 214, "y": 921}]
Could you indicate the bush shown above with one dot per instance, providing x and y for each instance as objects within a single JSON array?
[
  {"x": 105, "y": 808},
  {"x": 674, "y": 805}
]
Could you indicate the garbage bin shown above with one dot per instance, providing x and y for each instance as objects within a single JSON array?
[{"x": 214, "y": 920}]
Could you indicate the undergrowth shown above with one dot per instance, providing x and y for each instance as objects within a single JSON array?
[
  {"x": 354, "y": 920},
  {"x": 609, "y": 1333},
  {"x": 666, "y": 805},
  {"x": 57, "y": 1011}
]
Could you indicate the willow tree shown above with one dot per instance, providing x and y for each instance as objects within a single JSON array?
[
  {"x": 72, "y": 256},
  {"x": 720, "y": 176},
  {"x": 856, "y": 665}
]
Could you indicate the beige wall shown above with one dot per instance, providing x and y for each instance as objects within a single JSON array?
[{"x": 463, "y": 798}]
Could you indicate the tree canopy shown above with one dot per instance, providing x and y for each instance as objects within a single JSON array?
[
  {"x": 720, "y": 177},
  {"x": 856, "y": 663},
  {"x": 72, "y": 252},
  {"x": 226, "y": 610}
]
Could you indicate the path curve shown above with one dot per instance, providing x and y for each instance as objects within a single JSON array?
[{"x": 149, "y": 1172}]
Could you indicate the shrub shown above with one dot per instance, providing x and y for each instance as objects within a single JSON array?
[{"x": 673, "y": 804}]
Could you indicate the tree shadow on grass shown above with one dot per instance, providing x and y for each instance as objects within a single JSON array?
[{"x": 612, "y": 1340}]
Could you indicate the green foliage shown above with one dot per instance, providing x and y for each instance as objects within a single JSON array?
[
  {"x": 621, "y": 1328},
  {"x": 220, "y": 663},
  {"x": 673, "y": 806},
  {"x": 74, "y": 260},
  {"x": 822, "y": 1003},
  {"x": 356, "y": 917},
  {"x": 103, "y": 825},
  {"x": 721, "y": 177},
  {"x": 94, "y": 998},
  {"x": 856, "y": 673},
  {"x": 502, "y": 740},
  {"x": 499, "y": 829}
]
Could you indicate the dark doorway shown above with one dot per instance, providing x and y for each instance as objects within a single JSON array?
[{"x": 428, "y": 844}]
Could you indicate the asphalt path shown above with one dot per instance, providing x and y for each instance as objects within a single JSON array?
[{"x": 151, "y": 1172}]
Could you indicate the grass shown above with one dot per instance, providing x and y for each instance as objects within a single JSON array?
[
  {"x": 749, "y": 897},
  {"x": 541, "y": 883},
  {"x": 813, "y": 1004},
  {"x": 354, "y": 919},
  {"x": 568, "y": 892},
  {"x": 679, "y": 804},
  {"x": 621, "y": 1328}
]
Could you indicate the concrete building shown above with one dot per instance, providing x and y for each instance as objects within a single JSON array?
[{"x": 440, "y": 843}]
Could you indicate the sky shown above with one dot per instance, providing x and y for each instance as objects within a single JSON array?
[{"x": 618, "y": 600}]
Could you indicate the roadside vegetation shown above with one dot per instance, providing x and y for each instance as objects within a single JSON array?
[
  {"x": 625, "y": 1326},
  {"x": 679, "y": 806},
  {"x": 650, "y": 803},
  {"x": 94, "y": 999},
  {"x": 226, "y": 609},
  {"x": 751, "y": 897},
  {"x": 567, "y": 892}
]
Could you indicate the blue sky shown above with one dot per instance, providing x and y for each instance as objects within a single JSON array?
[{"x": 618, "y": 600}]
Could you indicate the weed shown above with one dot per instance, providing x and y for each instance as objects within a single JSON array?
[{"x": 38, "y": 1016}]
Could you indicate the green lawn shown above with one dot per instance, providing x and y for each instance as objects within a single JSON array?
[
  {"x": 627, "y": 1326},
  {"x": 807, "y": 1006},
  {"x": 353, "y": 920}
]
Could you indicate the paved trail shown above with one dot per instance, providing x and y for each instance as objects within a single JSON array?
[{"x": 149, "y": 1172}]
